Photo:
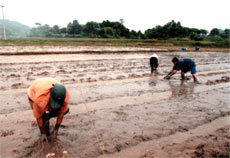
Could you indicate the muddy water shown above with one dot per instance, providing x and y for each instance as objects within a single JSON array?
[{"x": 115, "y": 102}]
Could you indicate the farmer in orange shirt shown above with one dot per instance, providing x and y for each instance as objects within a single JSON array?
[{"x": 48, "y": 98}]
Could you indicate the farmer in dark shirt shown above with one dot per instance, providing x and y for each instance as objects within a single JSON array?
[{"x": 184, "y": 65}]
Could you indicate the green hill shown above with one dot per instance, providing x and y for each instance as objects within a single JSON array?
[{"x": 14, "y": 29}]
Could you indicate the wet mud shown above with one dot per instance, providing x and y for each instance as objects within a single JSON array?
[{"x": 115, "y": 103}]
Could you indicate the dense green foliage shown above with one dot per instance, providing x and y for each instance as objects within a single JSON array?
[
  {"x": 14, "y": 29},
  {"x": 116, "y": 30},
  {"x": 108, "y": 29}
]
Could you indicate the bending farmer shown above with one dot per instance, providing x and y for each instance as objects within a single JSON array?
[
  {"x": 48, "y": 98},
  {"x": 154, "y": 62},
  {"x": 184, "y": 65}
]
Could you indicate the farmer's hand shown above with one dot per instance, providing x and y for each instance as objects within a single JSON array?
[
  {"x": 53, "y": 136},
  {"x": 167, "y": 77},
  {"x": 196, "y": 82},
  {"x": 44, "y": 138},
  {"x": 54, "y": 133}
]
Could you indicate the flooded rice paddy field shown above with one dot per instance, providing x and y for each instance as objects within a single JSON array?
[{"x": 117, "y": 108}]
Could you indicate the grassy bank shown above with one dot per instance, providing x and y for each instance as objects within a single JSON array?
[{"x": 113, "y": 42}]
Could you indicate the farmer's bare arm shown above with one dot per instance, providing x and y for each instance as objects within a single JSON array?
[
  {"x": 40, "y": 122},
  {"x": 171, "y": 73},
  {"x": 58, "y": 123},
  {"x": 174, "y": 71},
  {"x": 42, "y": 130}
]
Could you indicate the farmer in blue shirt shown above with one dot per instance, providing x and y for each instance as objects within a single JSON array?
[{"x": 184, "y": 65}]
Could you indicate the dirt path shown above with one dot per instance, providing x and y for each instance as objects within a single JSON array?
[{"x": 134, "y": 113}]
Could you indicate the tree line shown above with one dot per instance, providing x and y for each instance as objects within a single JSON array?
[{"x": 108, "y": 29}]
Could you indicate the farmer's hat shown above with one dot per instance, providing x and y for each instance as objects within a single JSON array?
[{"x": 58, "y": 93}]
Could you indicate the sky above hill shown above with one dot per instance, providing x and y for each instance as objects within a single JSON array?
[{"x": 137, "y": 14}]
